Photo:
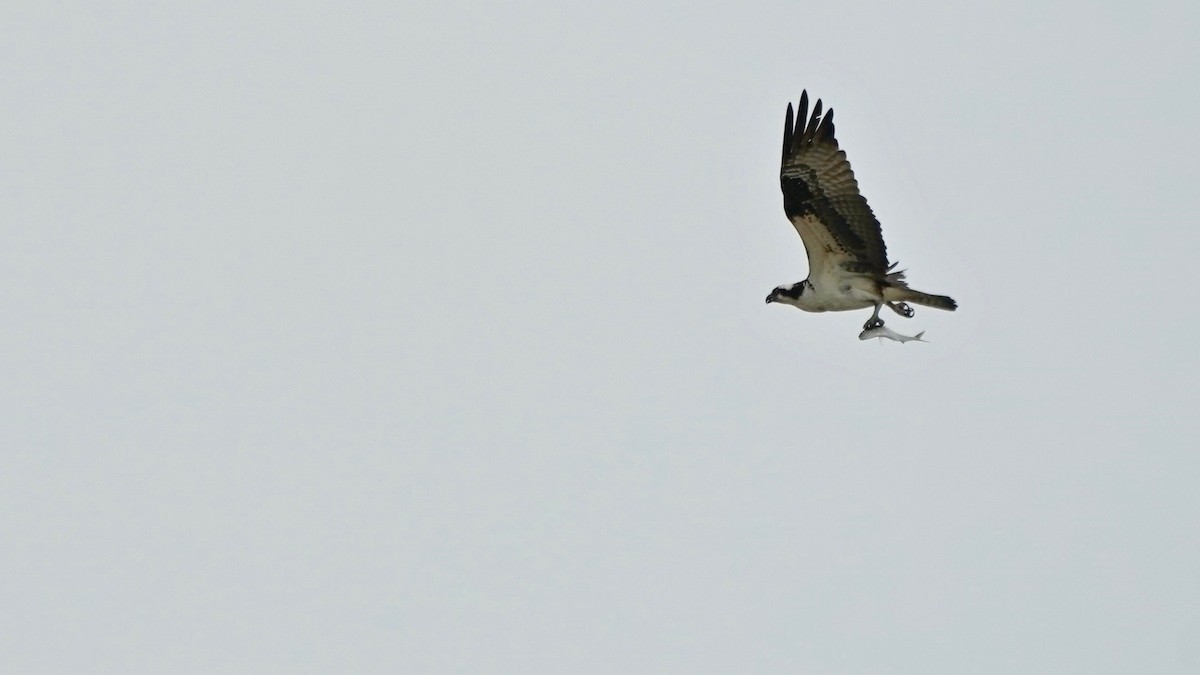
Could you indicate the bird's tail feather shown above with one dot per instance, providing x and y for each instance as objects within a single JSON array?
[{"x": 900, "y": 293}]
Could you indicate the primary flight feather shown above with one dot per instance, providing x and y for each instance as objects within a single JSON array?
[{"x": 848, "y": 266}]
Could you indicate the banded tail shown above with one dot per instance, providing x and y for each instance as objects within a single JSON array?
[{"x": 900, "y": 293}]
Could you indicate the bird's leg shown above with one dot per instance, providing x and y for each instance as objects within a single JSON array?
[
  {"x": 902, "y": 309},
  {"x": 874, "y": 321}
]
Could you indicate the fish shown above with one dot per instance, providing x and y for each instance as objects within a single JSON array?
[{"x": 882, "y": 332}]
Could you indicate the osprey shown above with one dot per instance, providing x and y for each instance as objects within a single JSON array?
[{"x": 847, "y": 260}]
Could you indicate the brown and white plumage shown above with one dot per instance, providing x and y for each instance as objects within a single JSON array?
[{"x": 848, "y": 266}]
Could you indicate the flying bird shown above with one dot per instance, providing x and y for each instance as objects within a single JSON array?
[{"x": 848, "y": 266}]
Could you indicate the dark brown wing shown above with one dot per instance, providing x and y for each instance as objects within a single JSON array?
[{"x": 820, "y": 197}]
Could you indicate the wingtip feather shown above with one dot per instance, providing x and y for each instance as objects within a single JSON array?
[{"x": 788, "y": 124}]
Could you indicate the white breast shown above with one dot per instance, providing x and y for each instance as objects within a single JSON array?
[{"x": 832, "y": 292}]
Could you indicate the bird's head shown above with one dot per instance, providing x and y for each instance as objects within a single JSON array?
[{"x": 785, "y": 293}]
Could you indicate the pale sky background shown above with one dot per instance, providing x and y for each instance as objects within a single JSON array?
[{"x": 388, "y": 338}]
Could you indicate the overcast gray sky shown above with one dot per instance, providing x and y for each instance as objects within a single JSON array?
[{"x": 377, "y": 338}]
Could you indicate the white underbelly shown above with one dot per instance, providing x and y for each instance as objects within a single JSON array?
[
  {"x": 838, "y": 303},
  {"x": 846, "y": 294}
]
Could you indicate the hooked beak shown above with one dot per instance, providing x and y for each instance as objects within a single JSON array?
[{"x": 770, "y": 298}]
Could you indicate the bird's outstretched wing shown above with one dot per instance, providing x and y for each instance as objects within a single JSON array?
[{"x": 820, "y": 197}]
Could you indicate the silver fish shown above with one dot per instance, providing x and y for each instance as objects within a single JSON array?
[{"x": 882, "y": 332}]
